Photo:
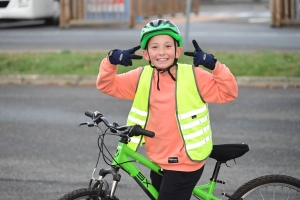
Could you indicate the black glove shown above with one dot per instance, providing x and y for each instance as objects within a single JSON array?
[
  {"x": 123, "y": 57},
  {"x": 201, "y": 58}
]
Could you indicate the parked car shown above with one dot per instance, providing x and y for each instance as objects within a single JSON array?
[{"x": 30, "y": 10}]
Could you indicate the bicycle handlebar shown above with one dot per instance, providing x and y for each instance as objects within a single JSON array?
[
  {"x": 89, "y": 113},
  {"x": 135, "y": 130}
]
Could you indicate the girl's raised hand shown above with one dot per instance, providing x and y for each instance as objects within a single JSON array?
[
  {"x": 201, "y": 58},
  {"x": 123, "y": 57}
]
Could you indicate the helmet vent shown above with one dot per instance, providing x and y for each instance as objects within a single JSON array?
[
  {"x": 159, "y": 22},
  {"x": 156, "y": 23}
]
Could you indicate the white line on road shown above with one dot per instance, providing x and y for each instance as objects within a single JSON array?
[{"x": 258, "y": 20}]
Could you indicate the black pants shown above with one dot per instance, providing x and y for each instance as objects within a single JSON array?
[{"x": 175, "y": 185}]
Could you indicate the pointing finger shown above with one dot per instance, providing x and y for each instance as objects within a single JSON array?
[
  {"x": 136, "y": 57},
  {"x": 189, "y": 54},
  {"x": 136, "y": 48},
  {"x": 197, "y": 48}
]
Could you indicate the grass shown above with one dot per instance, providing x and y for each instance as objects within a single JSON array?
[{"x": 263, "y": 63}]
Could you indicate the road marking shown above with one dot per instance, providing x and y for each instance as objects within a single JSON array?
[
  {"x": 261, "y": 17},
  {"x": 248, "y": 34},
  {"x": 258, "y": 20}
]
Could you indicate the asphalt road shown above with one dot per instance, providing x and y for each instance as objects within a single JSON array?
[
  {"x": 44, "y": 154},
  {"x": 233, "y": 27}
]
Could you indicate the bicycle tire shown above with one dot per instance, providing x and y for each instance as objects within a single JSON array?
[
  {"x": 269, "y": 187},
  {"x": 86, "y": 194}
]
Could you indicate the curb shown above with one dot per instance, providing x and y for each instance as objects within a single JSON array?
[
  {"x": 59, "y": 80},
  {"x": 90, "y": 80},
  {"x": 262, "y": 81}
]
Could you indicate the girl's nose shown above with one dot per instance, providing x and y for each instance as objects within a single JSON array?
[{"x": 161, "y": 51}]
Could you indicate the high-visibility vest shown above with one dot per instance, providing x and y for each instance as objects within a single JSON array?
[{"x": 192, "y": 113}]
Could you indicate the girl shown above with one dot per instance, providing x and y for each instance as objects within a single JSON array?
[{"x": 170, "y": 99}]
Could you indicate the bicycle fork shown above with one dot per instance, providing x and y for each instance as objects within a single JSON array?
[{"x": 116, "y": 178}]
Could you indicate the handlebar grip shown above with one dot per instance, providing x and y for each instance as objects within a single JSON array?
[
  {"x": 89, "y": 113},
  {"x": 138, "y": 130}
]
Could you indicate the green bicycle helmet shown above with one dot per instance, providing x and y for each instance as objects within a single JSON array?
[{"x": 159, "y": 27}]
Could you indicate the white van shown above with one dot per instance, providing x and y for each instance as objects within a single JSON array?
[{"x": 30, "y": 9}]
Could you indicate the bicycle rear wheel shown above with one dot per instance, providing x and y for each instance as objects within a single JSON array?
[{"x": 270, "y": 187}]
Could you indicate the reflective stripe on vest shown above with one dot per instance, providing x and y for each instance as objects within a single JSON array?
[
  {"x": 140, "y": 107},
  {"x": 192, "y": 115},
  {"x": 191, "y": 112}
]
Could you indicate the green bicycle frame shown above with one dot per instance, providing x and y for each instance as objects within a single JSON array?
[{"x": 122, "y": 160}]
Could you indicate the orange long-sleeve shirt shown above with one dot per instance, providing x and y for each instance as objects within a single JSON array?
[{"x": 216, "y": 87}]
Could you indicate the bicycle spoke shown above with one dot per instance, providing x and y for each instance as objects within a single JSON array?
[
  {"x": 289, "y": 194},
  {"x": 274, "y": 192}
]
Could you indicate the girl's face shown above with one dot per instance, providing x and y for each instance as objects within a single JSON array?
[{"x": 161, "y": 51}]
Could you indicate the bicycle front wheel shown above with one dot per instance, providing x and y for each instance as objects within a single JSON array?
[
  {"x": 84, "y": 193},
  {"x": 270, "y": 187}
]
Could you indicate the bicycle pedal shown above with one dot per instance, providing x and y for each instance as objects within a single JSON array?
[{"x": 229, "y": 196}]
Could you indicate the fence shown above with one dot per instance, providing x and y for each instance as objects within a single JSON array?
[
  {"x": 285, "y": 12},
  {"x": 93, "y": 12}
]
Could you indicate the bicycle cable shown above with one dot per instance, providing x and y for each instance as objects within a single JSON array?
[
  {"x": 99, "y": 154},
  {"x": 101, "y": 150}
]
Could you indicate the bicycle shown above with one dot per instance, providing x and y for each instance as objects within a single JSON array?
[{"x": 264, "y": 187}]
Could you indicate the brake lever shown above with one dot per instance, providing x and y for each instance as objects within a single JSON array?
[
  {"x": 90, "y": 124},
  {"x": 82, "y": 123}
]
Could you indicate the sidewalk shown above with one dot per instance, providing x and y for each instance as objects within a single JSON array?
[{"x": 77, "y": 80}]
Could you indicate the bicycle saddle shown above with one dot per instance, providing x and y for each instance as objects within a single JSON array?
[{"x": 226, "y": 152}]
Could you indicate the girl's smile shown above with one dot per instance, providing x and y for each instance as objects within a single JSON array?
[{"x": 162, "y": 51}]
